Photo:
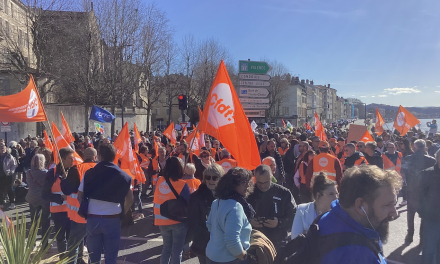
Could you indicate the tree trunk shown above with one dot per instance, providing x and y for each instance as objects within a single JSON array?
[
  {"x": 169, "y": 112},
  {"x": 86, "y": 115},
  {"x": 148, "y": 119},
  {"x": 113, "y": 109}
]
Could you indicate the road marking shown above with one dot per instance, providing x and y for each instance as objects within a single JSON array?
[
  {"x": 143, "y": 239},
  {"x": 394, "y": 261}
]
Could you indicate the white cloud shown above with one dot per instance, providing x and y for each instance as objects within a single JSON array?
[
  {"x": 373, "y": 96},
  {"x": 438, "y": 86},
  {"x": 396, "y": 91},
  {"x": 437, "y": 91},
  {"x": 362, "y": 96},
  {"x": 382, "y": 95}
]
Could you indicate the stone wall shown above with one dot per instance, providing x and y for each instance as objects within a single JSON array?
[{"x": 75, "y": 117}]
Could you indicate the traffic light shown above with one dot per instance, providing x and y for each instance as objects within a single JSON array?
[
  {"x": 183, "y": 102},
  {"x": 345, "y": 101}
]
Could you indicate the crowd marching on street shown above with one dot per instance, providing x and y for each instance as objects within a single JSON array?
[{"x": 227, "y": 192}]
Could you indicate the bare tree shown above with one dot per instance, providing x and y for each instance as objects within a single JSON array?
[{"x": 278, "y": 88}]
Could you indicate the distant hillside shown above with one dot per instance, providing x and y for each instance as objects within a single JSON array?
[{"x": 390, "y": 111}]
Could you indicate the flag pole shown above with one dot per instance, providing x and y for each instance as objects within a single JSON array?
[{"x": 50, "y": 127}]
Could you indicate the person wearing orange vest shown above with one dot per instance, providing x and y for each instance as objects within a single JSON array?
[
  {"x": 69, "y": 187},
  {"x": 352, "y": 157},
  {"x": 324, "y": 162},
  {"x": 145, "y": 161},
  {"x": 226, "y": 162},
  {"x": 392, "y": 159},
  {"x": 284, "y": 147},
  {"x": 173, "y": 232},
  {"x": 188, "y": 176},
  {"x": 299, "y": 178},
  {"x": 153, "y": 169},
  {"x": 58, "y": 200}
]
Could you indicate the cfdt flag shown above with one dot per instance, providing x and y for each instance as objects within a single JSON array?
[
  {"x": 319, "y": 129},
  {"x": 367, "y": 137},
  {"x": 24, "y": 106},
  {"x": 224, "y": 119},
  {"x": 101, "y": 115},
  {"x": 404, "y": 121},
  {"x": 378, "y": 129}
]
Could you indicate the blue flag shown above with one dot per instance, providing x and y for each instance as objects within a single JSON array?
[
  {"x": 101, "y": 115},
  {"x": 266, "y": 126}
]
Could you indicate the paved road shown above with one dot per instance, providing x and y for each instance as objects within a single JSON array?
[{"x": 142, "y": 243}]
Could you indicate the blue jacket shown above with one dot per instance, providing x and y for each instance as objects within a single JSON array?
[
  {"x": 230, "y": 231},
  {"x": 337, "y": 221}
]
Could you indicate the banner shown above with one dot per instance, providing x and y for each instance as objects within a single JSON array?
[
  {"x": 404, "y": 121},
  {"x": 170, "y": 133},
  {"x": 101, "y": 115},
  {"x": 99, "y": 128},
  {"x": 24, "y": 106},
  {"x": 67, "y": 134},
  {"x": 378, "y": 129},
  {"x": 224, "y": 119}
]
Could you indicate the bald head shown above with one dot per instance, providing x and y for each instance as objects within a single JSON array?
[{"x": 90, "y": 154}]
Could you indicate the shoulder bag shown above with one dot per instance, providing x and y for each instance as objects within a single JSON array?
[{"x": 174, "y": 209}]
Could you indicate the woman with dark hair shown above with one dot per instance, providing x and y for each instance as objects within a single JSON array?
[
  {"x": 324, "y": 192},
  {"x": 198, "y": 210},
  {"x": 173, "y": 232},
  {"x": 300, "y": 177},
  {"x": 203, "y": 163},
  {"x": 405, "y": 148},
  {"x": 228, "y": 221}
]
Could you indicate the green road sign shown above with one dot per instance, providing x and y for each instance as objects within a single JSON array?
[{"x": 258, "y": 67}]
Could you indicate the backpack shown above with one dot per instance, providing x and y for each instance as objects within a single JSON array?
[{"x": 309, "y": 248}]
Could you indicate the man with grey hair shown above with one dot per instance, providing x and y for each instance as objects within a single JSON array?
[
  {"x": 226, "y": 162},
  {"x": 274, "y": 206},
  {"x": 412, "y": 165},
  {"x": 429, "y": 197},
  {"x": 29, "y": 153}
]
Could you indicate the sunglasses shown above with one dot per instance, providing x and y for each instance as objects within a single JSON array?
[{"x": 214, "y": 178}]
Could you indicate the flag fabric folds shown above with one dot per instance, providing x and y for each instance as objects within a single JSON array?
[
  {"x": 101, "y": 115},
  {"x": 99, "y": 128},
  {"x": 319, "y": 129},
  {"x": 284, "y": 124},
  {"x": 67, "y": 134},
  {"x": 404, "y": 121},
  {"x": 24, "y": 106},
  {"x": 367, "y": 137},
  {"x": 266, "y": 126},
  {"x": 48, "y": 143},
  {"x": 137, "y": 138},
  {"x": 170, "y": 133},
  {"x": 224, "y": 119},
  {"x": 254, "y": 125},
  {"x": 193, "y": 141},
  {"x": 124, "y": 152},
  {"x": 62, "y": 143},
  {"x": 308, "y": 126},
  {"x": 378, "y": 129}
]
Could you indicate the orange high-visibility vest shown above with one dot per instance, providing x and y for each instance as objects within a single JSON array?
[
  {"x": 389, "y": 165},
  {"x": 72, "y": 199},
  {"x": 213, "y": 152},
  {"x": 227, "y": 164},
  {"x": 324, "y": 162},
  {"x": 282, "y": 152},
  {"x": 193, "y": 184},
  {"x": 56, "y": 189},
  {"x": 164, "y": 193},
  {"x": 357, "y": 162},
  {"x": 155, "y": 167},
  {"x": 302, "y": 174},
  {"x": 145, "y": 161}
]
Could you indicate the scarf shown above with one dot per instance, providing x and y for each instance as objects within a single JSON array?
[
  {"x": 211, "y": 160},
  {"x": 248, "y": 209}
]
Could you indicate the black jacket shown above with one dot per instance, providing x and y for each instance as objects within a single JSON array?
[
  {"x": 289, "y": 161},
  {"x": 51, "y": 177},
  {"x": 430, "y": 194},
  {"x": 376, "y": 159},
  {"x": 349, "y": 162},
  {"x": 199, "y": 207},
  {"x": 276, "y": 202},
  {"x": 278, "y": 161}
]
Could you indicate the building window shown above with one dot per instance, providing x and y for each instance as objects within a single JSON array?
[
  {"x": 7, "y": 28},
  {"x": 156, "y": 111},
  {"x": 6, "y": 7},
  {"x": 168, "y": 111},
  {"x": 167, "y": 100},
  {"x": 12, "y": 10},
  {"x": 285, "y": 111}
]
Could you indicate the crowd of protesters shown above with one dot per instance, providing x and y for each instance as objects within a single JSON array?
[{"x": 230, "y": 214}]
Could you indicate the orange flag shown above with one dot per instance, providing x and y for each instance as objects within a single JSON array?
[
  {"x": 137, "y": 138},
  {"x": 24, "y": 106},
  {"x": 184, "y": 132},
  {"x": 66, "y": 130},
  {"x": 378, "y": 129},
  {"x": 62, "y": 143},
  {"x": 50, "y": 146},
  {"x": 170, "y": 133},
  {"x": 124, "y": 151},
  {"x": 224, "y": 119},
  {"x": 284, "y": 124},
  {"x": 404, "y": 121},
  {"x": 319, "y": 129},
  {"x": 195, "y": 146},
  {"x": 367, "y": 137}
]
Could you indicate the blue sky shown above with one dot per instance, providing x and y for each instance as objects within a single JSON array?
[{"x": 378, "y": 51}]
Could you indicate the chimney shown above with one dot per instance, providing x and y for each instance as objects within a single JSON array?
[
  {"x": 91, "y": 5},
  {"x": 307, "y": 81},
  {"x": 311, "y": 82},
  {"x": 328, "y": 85},
  {"x": 302, "y": 81}
]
